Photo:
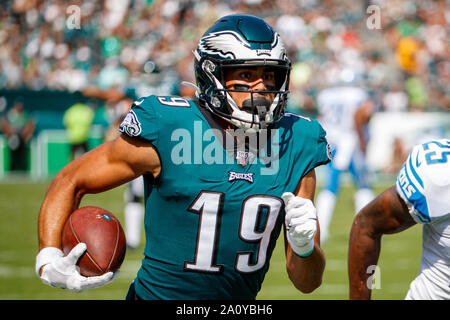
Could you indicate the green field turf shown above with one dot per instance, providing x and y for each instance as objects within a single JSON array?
[{"x": 19, "y": 207}]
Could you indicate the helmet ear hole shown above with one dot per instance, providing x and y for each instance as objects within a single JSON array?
[
  {"x": 208, "y": 66},
  {"x": 215, "y": 102}
]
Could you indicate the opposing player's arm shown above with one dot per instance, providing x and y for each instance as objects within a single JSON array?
[
  {"x": 108, "y": 166},
  {"x": 386, "y": 214},
  {"x": 361, "y": 119},
  {"x": 306, "y": 272}
]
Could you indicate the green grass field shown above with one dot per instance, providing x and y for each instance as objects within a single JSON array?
[{"x": 19, "y": 207}]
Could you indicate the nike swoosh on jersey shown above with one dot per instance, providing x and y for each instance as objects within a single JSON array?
[{"x": 418, "y": 163}]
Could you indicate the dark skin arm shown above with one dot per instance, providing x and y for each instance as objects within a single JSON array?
[
  {"x": 386, "y": 214},
  {"x": 306, "y": 273}
]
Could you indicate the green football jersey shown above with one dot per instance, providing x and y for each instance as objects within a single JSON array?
[{"x": 213, "y": 215}]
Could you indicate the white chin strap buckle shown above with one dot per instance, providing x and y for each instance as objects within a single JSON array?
[{"x": 262, "y": 112}]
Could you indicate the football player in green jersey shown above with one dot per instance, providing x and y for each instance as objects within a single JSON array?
[{"x": 214, "y": 209}]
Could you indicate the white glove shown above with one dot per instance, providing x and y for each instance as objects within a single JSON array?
[
  {"x": 62, "y": 272},
  {"x": 301, "y": 223}
]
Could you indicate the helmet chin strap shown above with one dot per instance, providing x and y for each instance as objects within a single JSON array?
[
  {"x": 254, "y": 120},
  {"x": 258, "y": 106}
]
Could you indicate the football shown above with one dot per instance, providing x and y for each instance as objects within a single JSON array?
[{"x": 103, "y": 235}]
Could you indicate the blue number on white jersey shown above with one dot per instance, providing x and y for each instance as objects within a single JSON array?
[
  {"x": 424, "y": 180},
  {"x": 439, "y": 154}
]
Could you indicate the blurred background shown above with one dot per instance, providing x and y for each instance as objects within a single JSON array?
[{"x": 69, "y": 71}]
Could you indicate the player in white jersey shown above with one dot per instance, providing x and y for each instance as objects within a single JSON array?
[
  {"x": 134, "y": 212},
  {"x": 421, "y": 195},
  {"x": 344, "y": 113}
]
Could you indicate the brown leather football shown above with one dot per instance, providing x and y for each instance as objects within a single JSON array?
[{"x": 103, "y": 235}]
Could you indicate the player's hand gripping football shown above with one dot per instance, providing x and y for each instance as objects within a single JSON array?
[
  {"x": 301, "y": 223},
  {"x": 62, "y": 272}
]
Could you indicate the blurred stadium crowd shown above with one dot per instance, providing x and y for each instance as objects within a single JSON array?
[
  {"x": 119, "y": 50},
  {"x": 146, "y": 45}
]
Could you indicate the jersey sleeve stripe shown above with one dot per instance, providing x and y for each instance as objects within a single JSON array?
[
  {"x": 408, "y": 176},
  {"x": 412, "y": 176},
  {"x": 418, "y": 205},
  {"x": 398, "y": 186},
  {"x": 413, "y": 171},
  {"x": 416, "y": 198}
]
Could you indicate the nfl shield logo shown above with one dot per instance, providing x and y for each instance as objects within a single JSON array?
[{"x": 244, "y": 157}]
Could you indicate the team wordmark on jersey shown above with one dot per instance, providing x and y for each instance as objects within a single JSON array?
[
  {"x": 405, "y": 183},
  {"x": 240, "y": 176}
]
